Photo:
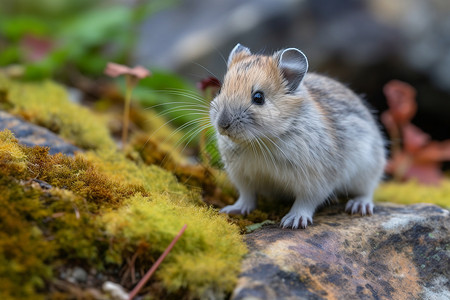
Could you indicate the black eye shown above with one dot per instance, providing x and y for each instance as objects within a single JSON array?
[{"x": 258, "y": 98}]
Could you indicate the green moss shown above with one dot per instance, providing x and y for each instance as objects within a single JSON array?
[
  {"x": 413, "y": 192},
  {"x": 40, "y": 231},
  {"x": 207, "y": 257},
  {"x": 12, "y": 158},
  {"x": 151, "y": 178},
  {"x": 47, "y": 104},
  {"x": 102, "y": 212},
  {"x": 23, "y": 251}
]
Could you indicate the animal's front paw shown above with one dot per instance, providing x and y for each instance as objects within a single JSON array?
[
  {"x": 239, "y": 208},
  {"x": 296, "y": 219},
  {"x": 359, "y": 205}
]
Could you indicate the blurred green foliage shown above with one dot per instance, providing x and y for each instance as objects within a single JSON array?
[
  {"x": 171, "y": 95},
  {"x": 183, "y": 106},
  {"x": 52, "y": 38},
  {"x": 66, "y": 39}
]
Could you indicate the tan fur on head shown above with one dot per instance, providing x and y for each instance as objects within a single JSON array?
[
  {"x": 238, "y": 57},
  {"x": 250, "y": 73}
]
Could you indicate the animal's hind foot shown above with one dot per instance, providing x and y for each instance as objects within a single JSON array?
[
  {"x": 359, "y": 205},
  {"x": 241, "y": 207},
  {"x": 296, "y": 220}
]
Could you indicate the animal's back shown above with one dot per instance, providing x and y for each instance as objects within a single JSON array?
[{"x": 354, "y": 128}]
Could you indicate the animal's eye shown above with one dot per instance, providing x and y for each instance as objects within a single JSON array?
[{"x": 258, "y": 98}]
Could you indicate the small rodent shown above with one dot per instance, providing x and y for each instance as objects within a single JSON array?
[{"x": 286, "y": 133}]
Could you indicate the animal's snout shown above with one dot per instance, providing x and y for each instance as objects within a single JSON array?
[{"x": 224, "y": 121}]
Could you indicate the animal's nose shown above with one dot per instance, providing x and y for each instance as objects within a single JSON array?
[
  {"x": 224, "y": 125},
  {"x": 224, "y": 120}
]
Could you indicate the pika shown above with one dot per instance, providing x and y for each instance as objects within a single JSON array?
[{"x": 286, "y": 133}]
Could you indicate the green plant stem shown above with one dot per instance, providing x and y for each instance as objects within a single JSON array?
[{"x": 126, "y": 112}]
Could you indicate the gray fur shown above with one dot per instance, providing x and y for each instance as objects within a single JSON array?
[{"x": 293, "y": 65}]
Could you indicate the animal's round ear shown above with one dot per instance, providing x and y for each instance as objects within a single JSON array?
[
  {"x": 238, "y": 49},
  {"x": 293, "y": 65}
]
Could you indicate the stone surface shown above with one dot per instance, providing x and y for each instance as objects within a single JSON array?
[
  {"x": 401, "y": 252},
  {"x": 361, "y": 43},
  {"x": 31, "y": 135},
  {"x": 413, "y": 32}
]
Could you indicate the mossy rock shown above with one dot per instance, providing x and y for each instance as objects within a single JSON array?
[
  {"x": 99, "y": 211},
  {"x": 46, "y": 104}
]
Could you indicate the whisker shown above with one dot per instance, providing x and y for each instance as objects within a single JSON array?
[
  {"x": 188, "y": 111},
  {"x": 192, "y": 136},
  {"x": 178, "y": 103},
  {"x": 184, "y": 94},
  {"x": 185, "y": 125},
  {"x": 174, "y": 132},
  {"x": 206, "y": 69},
  {"x": 270, "y": 154}
]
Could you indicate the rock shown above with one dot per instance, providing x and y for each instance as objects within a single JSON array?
[
  {"x": 79, "y": 275},
  {"x": 116, "y": 291},
  {"x": 30, "y": 135},
  {"x": 401, "y": 252},
  {"x": 410, "y": 32},
  {"x": 362, "y": 43}
]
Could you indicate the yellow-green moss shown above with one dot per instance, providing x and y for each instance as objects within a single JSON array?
[
  {"x": 207, "y": 257},
  {"x": 102, "y": 211},
  {"x": 23, "y": 251},
  {"x": 39, "y": 230},
  {"x": 46, "y": 104},
  {"x": 11, "y": 155},
  {"x": 153, "y": 179},
  {"x": 413, "y": 192}
]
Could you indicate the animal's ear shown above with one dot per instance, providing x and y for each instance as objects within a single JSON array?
[
  {"x": 238, "y": 49},
  {"x": 293, "y": 65}
]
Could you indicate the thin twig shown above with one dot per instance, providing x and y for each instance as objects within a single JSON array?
[{"x": 150, "y": 272}]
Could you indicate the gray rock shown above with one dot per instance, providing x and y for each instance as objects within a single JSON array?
[
  {"x": 401, "y": 252},
  {"x": 362, "y": 43},
  {"x": 360, "y": 33},
  {"x": 79, "y": 274},
  {"x": 30, "y": 135}
]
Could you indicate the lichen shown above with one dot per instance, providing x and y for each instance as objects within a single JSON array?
[
  {"x": 413, "y": 192},
  {"x": 102, "y": 211},
  {"x": 47, "y": 104}
]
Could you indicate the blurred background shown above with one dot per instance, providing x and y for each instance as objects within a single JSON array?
[{"x": 362, "y": 43}]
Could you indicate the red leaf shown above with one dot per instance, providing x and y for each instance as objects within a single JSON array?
[
  {"x": 434, "y": 152},
  {"x": 389, "y": 123},
  {"x": 209, "y": 82},
  {"x": 401, "y": 101},
  {"x": 417, "y": 156},
  {"x": 36, "y": 48},
  {"x": 429, "y": 173},
  {"x": 414, "y": 138}
]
